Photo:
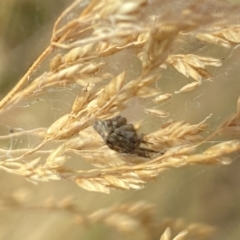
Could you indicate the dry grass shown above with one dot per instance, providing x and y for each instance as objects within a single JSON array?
[{"x": 79, "y": 58}]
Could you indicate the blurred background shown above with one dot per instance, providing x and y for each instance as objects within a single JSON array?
[
  {"x": 207, "y": 194},
  {"x": 25, "y": 30}
]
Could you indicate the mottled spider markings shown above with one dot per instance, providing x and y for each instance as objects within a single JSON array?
[{"x": 121, "y": 136}]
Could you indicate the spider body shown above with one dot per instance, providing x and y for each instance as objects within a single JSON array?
[
  {"x": 120, "y": 136},
  {"x": 123, "y": 139}
]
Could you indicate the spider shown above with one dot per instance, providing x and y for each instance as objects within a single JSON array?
[{"x": 120, "y": 136}]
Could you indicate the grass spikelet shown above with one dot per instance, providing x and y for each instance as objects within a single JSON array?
[
  {"x": 189, "y": 87},
  {"x": 111, "y": 89},
  {"x": 193, "y": 65},
  {"x": 166, "y": 235},
  {"x": 222, "y": 36},
  {"x": 157, "y": 112},
  {"x": 162, "y": 98}
]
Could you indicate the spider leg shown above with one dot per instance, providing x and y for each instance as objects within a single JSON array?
[{"x": 144, "y": 152}]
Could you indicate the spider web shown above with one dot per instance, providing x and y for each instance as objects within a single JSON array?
[{"x": 187, "y": 193}]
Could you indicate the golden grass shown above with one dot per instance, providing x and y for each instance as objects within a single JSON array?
[{"x": 83, "y": 41}]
